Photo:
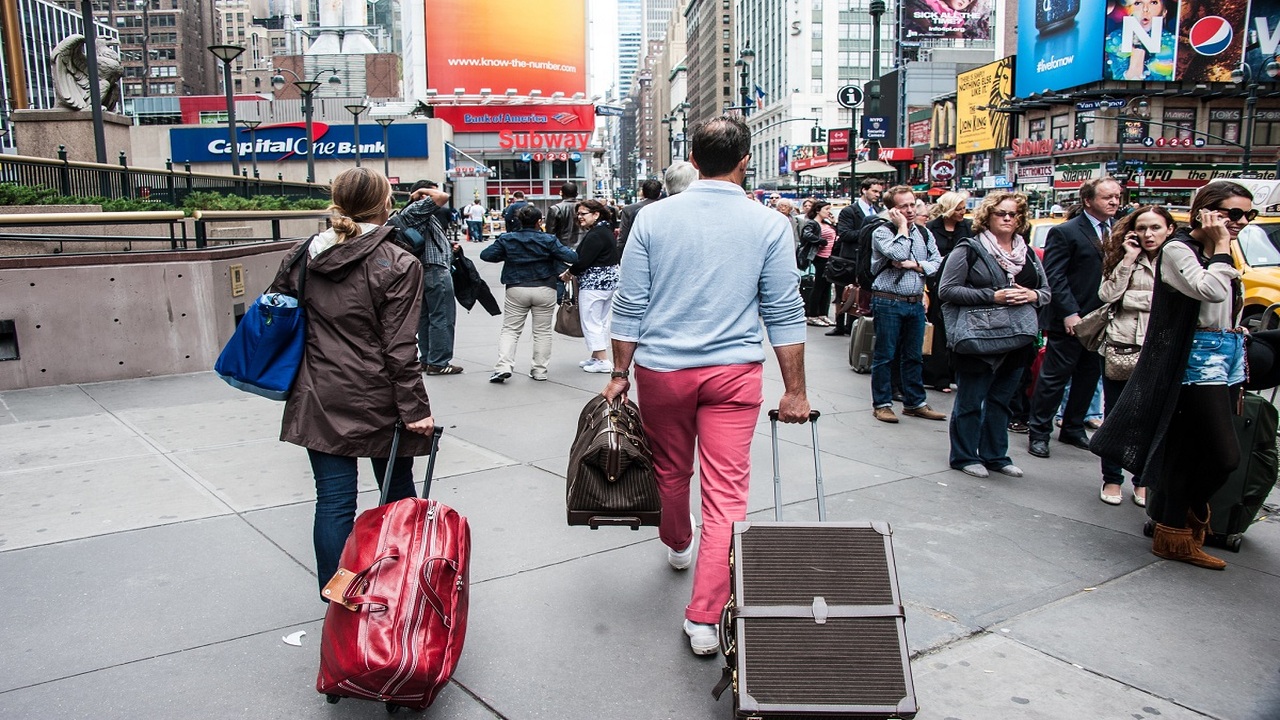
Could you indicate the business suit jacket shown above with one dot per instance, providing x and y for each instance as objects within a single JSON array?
[
  {"x": 1073, "y": 264},
  {"x": 628, "y": 216}
]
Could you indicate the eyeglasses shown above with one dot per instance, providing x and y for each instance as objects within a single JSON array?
[
  {"x": 584, "y": 214},
  {"x": 1005, "y": 213},
  {"x": 1236, "y": 214}
]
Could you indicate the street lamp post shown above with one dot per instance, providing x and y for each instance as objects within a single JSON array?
[
  {"x": 386, "y": 149},
  {"x": 744, "y": 70},
  {"x": 683, "y": 109},
  {"x": 1245, "y": 74},
  {"x": 307, "y": 88},
  {"x": 355, "y": 109},
  {"x": 253, "y": 142},
  {"x": 227, "y": 53},
  {"x": 1135, "y": 108},
  {"x": 876, "y": 9},
  {"x": 671, "y": 138}
]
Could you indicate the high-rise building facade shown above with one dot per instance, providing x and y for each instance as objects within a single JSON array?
[
  {"x": 657, "y": 17},
  {"x": 709, "y": 57},
  {"x": 630, "y": 40}
]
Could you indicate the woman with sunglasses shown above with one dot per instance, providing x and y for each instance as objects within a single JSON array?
[
  {"x": 1128, "y": 275},
  {"x": 1173, "y": 423},
  {"x": 995, "y": 267},
  {"x": 597, "y": 274}
]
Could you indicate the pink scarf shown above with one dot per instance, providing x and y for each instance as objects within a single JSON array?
[{"x": 1012, "y": 261}]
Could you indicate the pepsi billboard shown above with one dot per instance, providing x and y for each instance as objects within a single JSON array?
[
  {"x": 288, "y": 141},
  {"x": 1210, "y": 40},
  {"x": 1167, "y": 40},
  {"x": 1060, "y": 44}
]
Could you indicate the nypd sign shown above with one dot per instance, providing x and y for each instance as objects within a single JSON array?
[{"x": 288, "y": 141}]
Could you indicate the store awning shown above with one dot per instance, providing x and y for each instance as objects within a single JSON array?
[{"x": 865, "y": 167}]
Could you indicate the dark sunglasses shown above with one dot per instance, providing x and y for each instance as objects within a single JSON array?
[
  {"x": 584, "y": 214},
  {"x": 1236, "y": 214},
  {"x": 1005, "y": 213}
]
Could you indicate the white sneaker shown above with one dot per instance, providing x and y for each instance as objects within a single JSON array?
[
  {"x": 598, "y": 366},
  {"x": 586, "y": 362},
  {"x": 684, "y": 558},
  {"x": 704, "y": 639}
]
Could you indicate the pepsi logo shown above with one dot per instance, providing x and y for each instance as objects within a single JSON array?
[{"x": 1210, "y": 35}]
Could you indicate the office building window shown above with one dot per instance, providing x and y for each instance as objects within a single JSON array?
[
  {"x": 1180, "y": 123},
  {"x": 1224, "y": 123},
  {"x": 1058, "y": 127}
]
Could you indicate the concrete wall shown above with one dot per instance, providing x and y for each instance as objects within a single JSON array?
[{"x": 80, "y": 319}]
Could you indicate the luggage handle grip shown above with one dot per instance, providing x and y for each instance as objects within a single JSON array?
[
  {"x": 813, "y": 415},
  {"x": 391, "y": 462},
  {"x": 433, "y": 598},
  {"x": 351, "y": 601}
]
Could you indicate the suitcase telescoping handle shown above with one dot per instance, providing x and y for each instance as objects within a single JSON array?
[
  {"x": 817, "y": 466},
  {"x": 391, "y": 462}
]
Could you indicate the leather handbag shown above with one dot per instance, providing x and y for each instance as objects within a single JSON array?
[
  {"x": 265, "y": 351},
  {"x": 568, "y": 320},
  {"x": 611, "y": 479},
  {"x": 1119, "y": 360},
  {"x": 1092, "y": 328}
]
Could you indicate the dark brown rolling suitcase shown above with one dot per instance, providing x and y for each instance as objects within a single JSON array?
[{"x": 814, "y": 627}]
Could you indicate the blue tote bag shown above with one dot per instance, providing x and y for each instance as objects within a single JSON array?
[{"x": 263, "y": 355}]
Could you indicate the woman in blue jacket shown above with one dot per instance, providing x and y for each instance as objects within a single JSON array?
[{"x": 533, "y": 261}]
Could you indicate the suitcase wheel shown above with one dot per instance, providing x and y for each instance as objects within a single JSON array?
[
  {"x": 1233, "y": 542},
  {"x": 1149, "y": 528},
  {"x": 392, "y": 708},
  {"x": 332, "y": 699}
]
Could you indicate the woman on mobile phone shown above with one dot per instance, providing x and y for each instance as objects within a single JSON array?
[
  {"x": 1172, "y": 424},
  {"x": 1128, "y": 276}
]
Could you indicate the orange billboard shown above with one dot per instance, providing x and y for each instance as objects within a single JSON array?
[{"x": 498, "y": 44}]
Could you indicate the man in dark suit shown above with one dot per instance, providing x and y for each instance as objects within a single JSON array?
[
  {"x": 848, "y": 223},
  {"x": 650, "y": 191},
  {"x": 1073, "y": 264}
]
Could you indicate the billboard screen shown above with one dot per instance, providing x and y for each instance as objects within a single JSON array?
[
  {"x": 979, "y": 93},
  {"x": 476, "y": 44},
  {"x": 1210, "y": 40},
  {"x": 1059, "y": 44},
  {"x": 288, "y": 142},
  {"x": 1183, "y": 40},
  {"x": 946, "y": 19},
  {"x": 1262, "y": 36},
  {"x": 1142, "y": 40},
  {"x": 533, "y": 118}
]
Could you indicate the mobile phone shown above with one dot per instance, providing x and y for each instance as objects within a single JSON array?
[{"x": 1055, "y": 15}]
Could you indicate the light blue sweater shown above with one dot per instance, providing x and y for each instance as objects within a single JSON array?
[{"x": 700, "y": 271}]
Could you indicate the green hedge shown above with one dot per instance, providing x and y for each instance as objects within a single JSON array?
[{"x": 11, "y": 194}]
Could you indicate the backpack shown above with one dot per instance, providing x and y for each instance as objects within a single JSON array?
[
  {"x": 869, "y": 226},
  {"x": 408, "y": 237}
]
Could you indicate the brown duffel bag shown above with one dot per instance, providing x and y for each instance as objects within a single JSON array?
[{"x": 611, "y": 479}]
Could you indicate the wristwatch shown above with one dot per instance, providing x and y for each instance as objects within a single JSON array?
[{"x": 620, "y": 374}]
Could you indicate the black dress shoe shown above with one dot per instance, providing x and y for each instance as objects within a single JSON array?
[
  {"x": 1081, "y": 441},
  {"x": 1038, "y": 447},
  {"x": 837, "y": 331}
]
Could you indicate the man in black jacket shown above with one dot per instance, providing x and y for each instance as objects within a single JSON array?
[
  {"x": 848, "y": 223},
  {"x": 1073, "y": 264},
  {"x": 650, "y": 191},
  {"x": 562, "y": 219}
]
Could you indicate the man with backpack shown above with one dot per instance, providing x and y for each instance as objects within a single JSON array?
[
  {"x": 902, "y": 254},
  {"x": 424, "y": 215},
  {"x": 562, "y": 219},
  {"x": 848, "y": 223}
]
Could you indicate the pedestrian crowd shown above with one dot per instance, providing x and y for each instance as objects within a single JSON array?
[{"x": 679, "y": 292}]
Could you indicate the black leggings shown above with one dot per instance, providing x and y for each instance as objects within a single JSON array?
[
  {"x": 1202, "y": 451},
  {"x": 819, "y": 301}
]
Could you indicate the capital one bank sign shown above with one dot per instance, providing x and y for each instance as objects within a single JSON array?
[{"x": 288, "y": 141}]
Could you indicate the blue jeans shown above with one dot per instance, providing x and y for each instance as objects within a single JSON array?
[
  {"x": 980, "y": 416},
  {"x": 1095, "y": 407},
  {"x": 899, "y": 334},
  {"x": 1217, "y": 358},
  {"x": 439, "y": 313},
  {"x": 475, "y": 229},
  {"x": 336, "y": 503}
]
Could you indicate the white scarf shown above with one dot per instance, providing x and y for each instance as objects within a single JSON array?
[{"x": 1011, "y": 261}]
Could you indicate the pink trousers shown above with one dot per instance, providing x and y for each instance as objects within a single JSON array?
[{"x": 715, "y": 408}]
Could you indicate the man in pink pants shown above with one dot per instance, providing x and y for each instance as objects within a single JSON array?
[{"x": 700, "y": 273}]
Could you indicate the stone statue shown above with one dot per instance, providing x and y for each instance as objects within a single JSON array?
[{"x": 71, "y": 74}]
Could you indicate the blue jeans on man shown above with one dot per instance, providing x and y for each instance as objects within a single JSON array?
[
  {"x": 439, "y": 314},
  {"x": 899, "y": 329},
  {"x": 336, "y": 502},
  {"x": 475, "y": 229}
]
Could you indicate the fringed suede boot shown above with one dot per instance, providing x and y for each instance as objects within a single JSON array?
[
  {"x": 1178, "y": 544},
  {"x": 1199, "y": 528}
]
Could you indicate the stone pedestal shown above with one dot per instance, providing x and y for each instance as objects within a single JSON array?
[{"x": 38, "y": 133}]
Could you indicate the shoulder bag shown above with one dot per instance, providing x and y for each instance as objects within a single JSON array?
[
  {"x": 568, "y": 321},
  {"x": 263, "y": 355},
  {"x": 989, "y": 329},
  {"x": 1091, "y": 331}
]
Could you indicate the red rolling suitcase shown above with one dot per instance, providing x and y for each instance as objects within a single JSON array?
[
  {"x": 397, "y": 614},
  {"x": 814, "y": 627}
]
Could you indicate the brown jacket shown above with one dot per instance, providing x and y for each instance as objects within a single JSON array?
[{"x": 360, "y": 371}]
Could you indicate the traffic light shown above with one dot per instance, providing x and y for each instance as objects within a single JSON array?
[{"x": 817, "y": 134}]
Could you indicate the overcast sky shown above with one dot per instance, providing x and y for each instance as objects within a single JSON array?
[{"x": 602, "y": 45}]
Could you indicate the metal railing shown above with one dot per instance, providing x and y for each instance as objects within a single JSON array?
[{"x": 85, "y": 179}]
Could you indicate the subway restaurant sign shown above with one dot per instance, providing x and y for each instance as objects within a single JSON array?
[{"x": 1185, "y": 176}]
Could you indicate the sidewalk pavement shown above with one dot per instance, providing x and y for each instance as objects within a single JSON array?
[{"x": 156, "y": 547}]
